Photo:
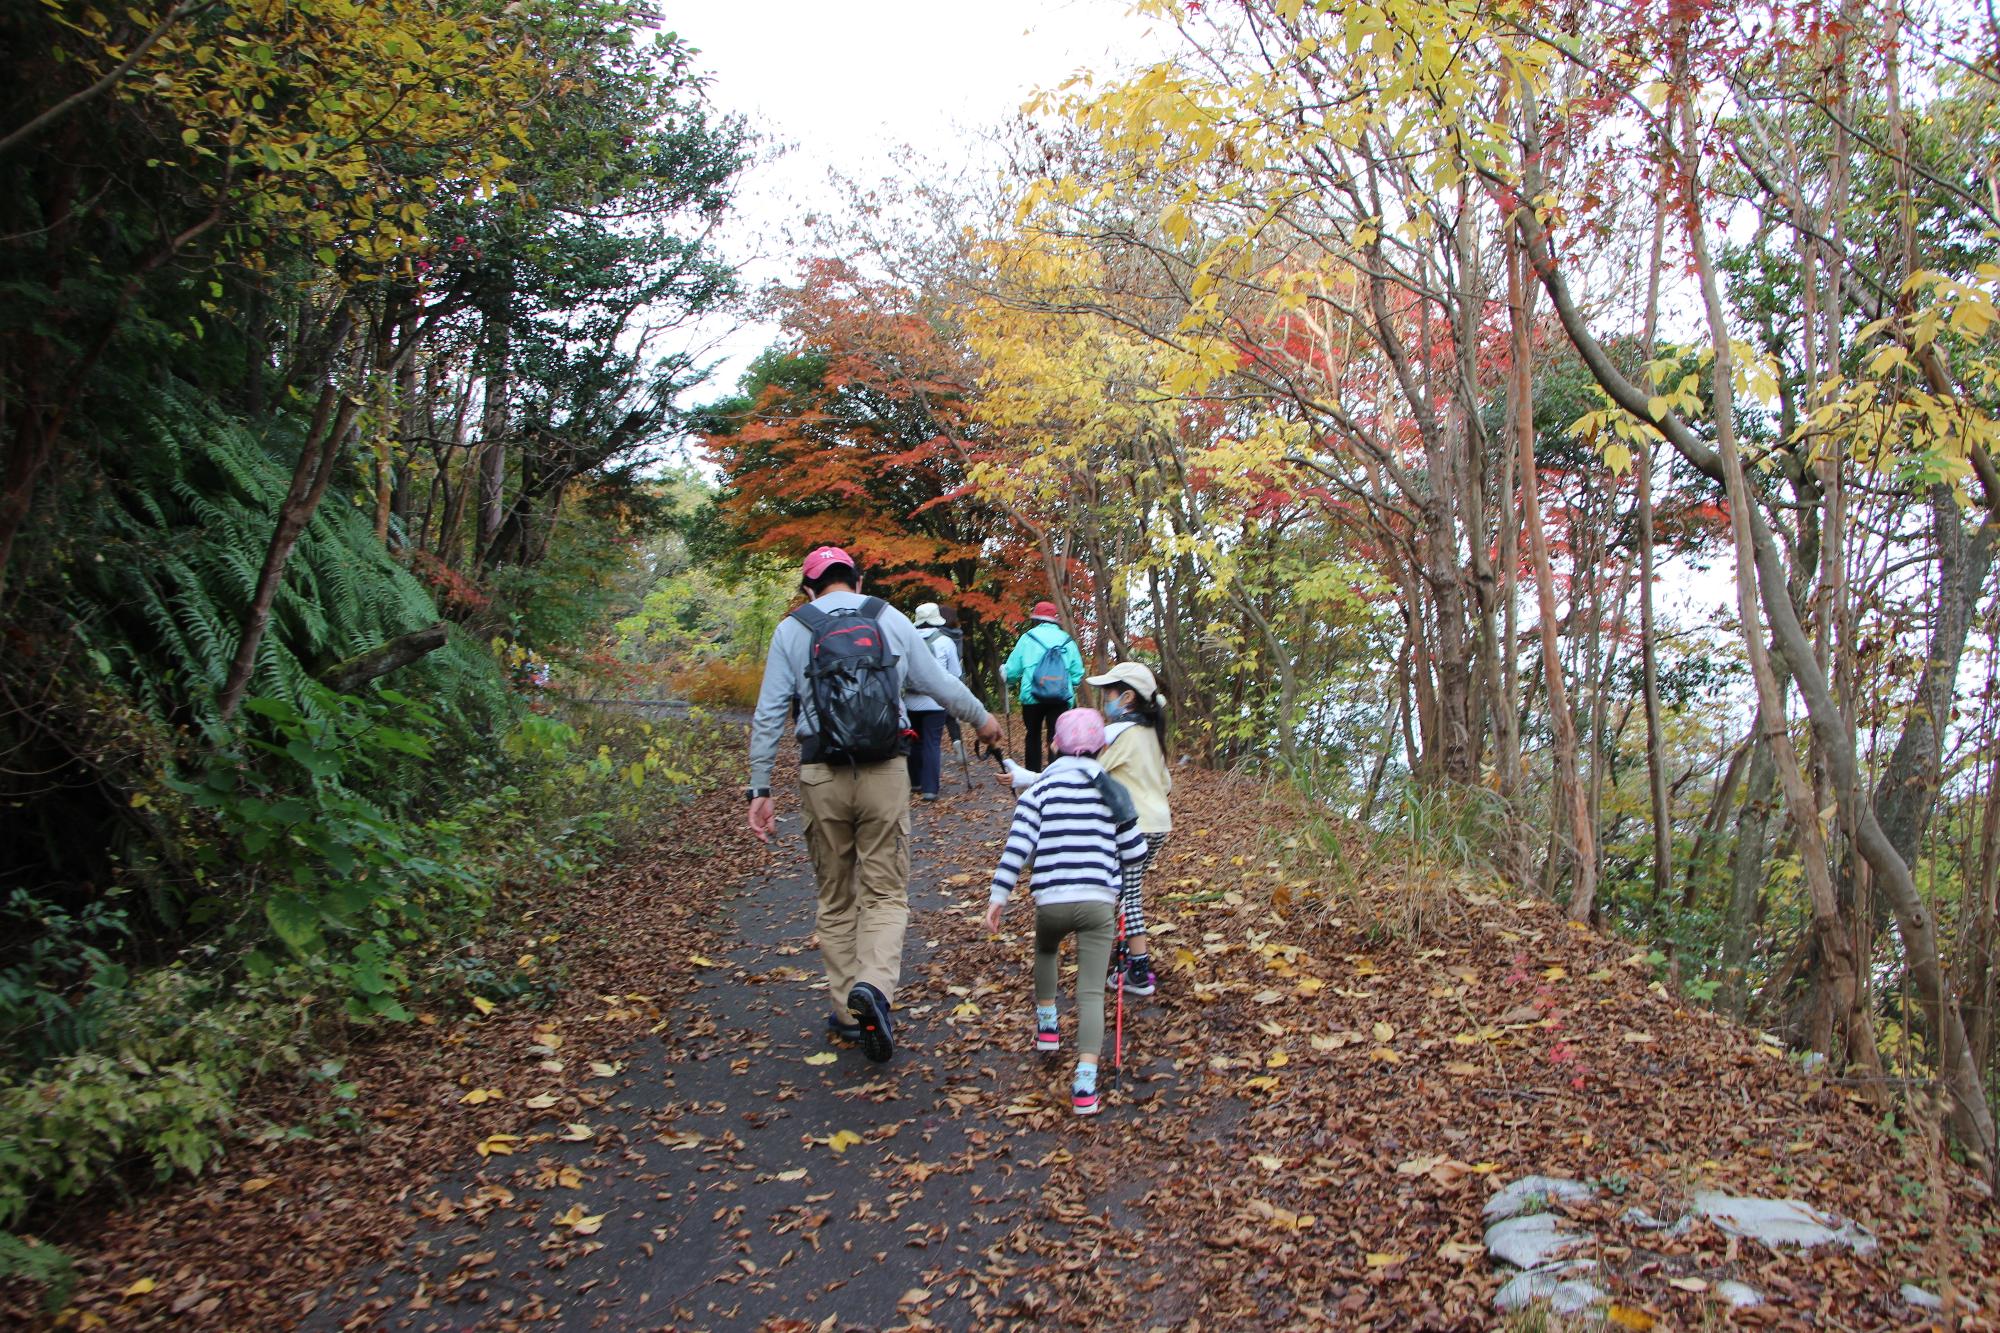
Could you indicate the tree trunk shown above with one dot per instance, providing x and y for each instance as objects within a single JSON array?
[
  {"x": 1746, "y": 873},
  {"x": 1656, "y": 764},
  {"x": 1842, "y": 978},
  {"x": 493, "y": 442},
  {"x": 1570, "y": 796},
  {"x": 319, "y": 458},
  {"x": 348, "y": 676},
  {"x": 1907, "y": 792}
]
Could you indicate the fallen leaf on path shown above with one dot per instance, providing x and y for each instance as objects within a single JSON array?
[
  {"x": 541, "y": 1102},
  {"x": 579, "y": 1222},
  {"x": 480, "y": 1096},
  {"x": 702, "y": 960},
  {"x": 258, "y": 1183},
  {"x": 498, "y": 1145},
  {"x": 1383, "y": 1032},
  {"x": 576, "y": 1133},
  {"x": 1382, "y": 1259},
  {"x": 842, "y": 1139},
  {"x": 822, "y": 1058},
  {"x": 606, "y": 1068},
  {"x": 483, "y": 1005},
  {"x": 139, "y": 1288},
  {"x": 1284, "y": 1219}
]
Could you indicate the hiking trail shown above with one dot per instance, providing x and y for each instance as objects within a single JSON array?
[{"x": 1335, "y": 1081}]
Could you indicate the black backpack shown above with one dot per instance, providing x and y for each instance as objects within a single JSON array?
[{"x": 855, "y": 690}]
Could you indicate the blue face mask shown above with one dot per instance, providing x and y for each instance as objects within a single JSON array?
[{"x": 1115, "y": 710}]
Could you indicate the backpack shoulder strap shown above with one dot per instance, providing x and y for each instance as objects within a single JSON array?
[
  {"x": 872, "y": 608},
  {"x": 815, "y": 620}
]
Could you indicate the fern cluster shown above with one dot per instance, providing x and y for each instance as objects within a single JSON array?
[{"x": 179, "y": 564}]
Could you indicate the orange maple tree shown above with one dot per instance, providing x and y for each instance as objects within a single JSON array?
[{"x": 854, "y": 430}]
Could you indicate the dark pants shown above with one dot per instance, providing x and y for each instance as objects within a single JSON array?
[
  {"x": 1040, "y": 722},
  {"x": 926, "y": 762}
]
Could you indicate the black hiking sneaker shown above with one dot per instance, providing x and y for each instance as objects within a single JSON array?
[
  {"x": 836, "y": 1030},
  {"x": 871, "y": 1013},
  {"x": 1139, "y": 978}
]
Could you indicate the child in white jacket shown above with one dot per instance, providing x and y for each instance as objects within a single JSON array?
[{"x": 1068, "y": 823}]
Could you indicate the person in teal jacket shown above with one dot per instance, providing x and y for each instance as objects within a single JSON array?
[{"x": 1038, "y": 711}]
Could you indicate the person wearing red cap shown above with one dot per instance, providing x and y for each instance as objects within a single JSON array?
[
  {"x": 852, "y": 656},
  {"x": 1046, "y": 667}
]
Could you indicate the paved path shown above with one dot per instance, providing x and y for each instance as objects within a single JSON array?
[{"x": 723, "y": 1203}]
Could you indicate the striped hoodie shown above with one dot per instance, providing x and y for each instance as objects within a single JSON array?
[{"x": 1064, "y": 827}]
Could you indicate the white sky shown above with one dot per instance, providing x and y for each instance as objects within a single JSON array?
[{"x": 840, "y": 87}]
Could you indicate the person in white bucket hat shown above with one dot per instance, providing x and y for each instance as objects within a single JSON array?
[{"x": 927, "y": 715}]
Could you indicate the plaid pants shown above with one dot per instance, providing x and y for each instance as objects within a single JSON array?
[{"x": 1129, "y": 905}]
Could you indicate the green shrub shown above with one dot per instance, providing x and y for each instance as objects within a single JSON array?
[
  {"x": 157, "y": 1090},
  {"x": 54, "y": 984},
  {"x": 47, "y": 1267}
]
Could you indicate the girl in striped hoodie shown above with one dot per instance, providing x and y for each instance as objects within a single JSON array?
[{"x": 1077, "y": 826}]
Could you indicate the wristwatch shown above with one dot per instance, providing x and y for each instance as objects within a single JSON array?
[{"x": 755, "y": 793}]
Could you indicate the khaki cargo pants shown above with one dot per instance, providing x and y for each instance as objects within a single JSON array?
[{"x": 857, "y": 823}]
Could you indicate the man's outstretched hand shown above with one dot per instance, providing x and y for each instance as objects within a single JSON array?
[
  {"x": 763, "y": 818},
  {"x": 991, "y": 732}
]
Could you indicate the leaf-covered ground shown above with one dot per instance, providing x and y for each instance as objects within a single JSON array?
[{"x": 1328, "y": 1087}]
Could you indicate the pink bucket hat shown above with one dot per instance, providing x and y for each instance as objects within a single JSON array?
[
  {"x": 1080, "y": 731},
  {"x": 822, "y": 557}
]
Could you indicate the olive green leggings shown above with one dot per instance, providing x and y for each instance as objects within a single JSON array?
[{"x": 1092, "y": 924}]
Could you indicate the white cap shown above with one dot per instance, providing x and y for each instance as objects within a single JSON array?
[
  {"x": 1131, "y": 674},
  {"x": 928, "y": 614}
]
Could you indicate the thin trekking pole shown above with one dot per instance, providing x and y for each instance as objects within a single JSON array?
[{"x": 1118, "y": 1026}]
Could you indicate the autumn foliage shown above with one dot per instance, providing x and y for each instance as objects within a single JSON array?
[{"x": 856, "y": 431}]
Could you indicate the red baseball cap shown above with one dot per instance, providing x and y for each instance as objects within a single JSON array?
[
  {"x": 1042, "y": 611},
  {"x": 825, "y": 556}
]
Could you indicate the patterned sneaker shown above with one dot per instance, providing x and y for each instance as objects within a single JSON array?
[
  {"x": 1139, "y": 978},
  {"x": 1048, "y": 1033},
  {"x": 1083, "y": 1097}
]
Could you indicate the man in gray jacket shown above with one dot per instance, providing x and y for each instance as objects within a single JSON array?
[{"x": 856, "y": 814}]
